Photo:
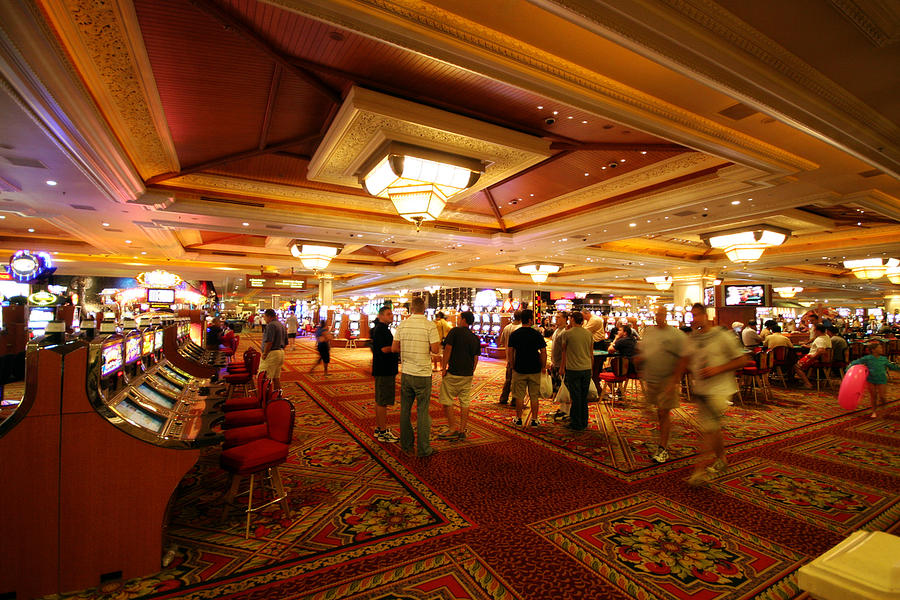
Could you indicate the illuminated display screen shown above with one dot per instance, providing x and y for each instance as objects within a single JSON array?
[
  {"x": 167, "y": 384},
  {"x": 161, "y": 296},
  {"x": 140, "y": 417},
  {"x": 132, "y": 349},
  {"x": 148, "y": 343},
  {"x": 745, "y": 295},
  {"x": 159, "y": 339},
  {"x": 175, "y": 375},
  {"x": 155, "y": 397},
  {"x": 111, "y": 357},
  {"x": 709, "y": 297}
]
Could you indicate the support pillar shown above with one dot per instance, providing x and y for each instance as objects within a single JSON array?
[{"x": 326, "y": 290}]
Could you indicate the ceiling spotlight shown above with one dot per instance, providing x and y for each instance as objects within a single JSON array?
[
  {"x": 105, "y": 224},
  {"x": 50, "y": 182},
  {"x": 245, "y": 224}
]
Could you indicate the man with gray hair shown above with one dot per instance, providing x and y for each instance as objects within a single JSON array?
[
  {"x": 416, "y": 340},
  {"x": 594, "y": 325}
]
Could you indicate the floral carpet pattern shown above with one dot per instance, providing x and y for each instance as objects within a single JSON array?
[
  {"x": 652, "y": 547},
  {"x": 514, "y": 513},
  {"x": 824, "y": 500}
]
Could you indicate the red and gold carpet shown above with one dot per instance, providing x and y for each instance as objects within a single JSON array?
[{"x": 513, "y": 513}]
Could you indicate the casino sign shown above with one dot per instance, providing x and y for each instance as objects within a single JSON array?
[
  {"x": 25, "y": 265},
  {"x": 158, "y": 279}
]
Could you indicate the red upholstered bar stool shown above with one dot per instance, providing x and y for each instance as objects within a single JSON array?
[
  {"x": 261, "y": 456},
  {"x": 252, "y": 400},
  {"x": 618, "y": 373},
  {"x": 238, "y": 368},
  {"x": 758, "y": 375},
  {"x": 244, "y": 378},
  {"x": 251, "y": 416},
  {"x": 230, "y": 349},
  {"x": 781, "y": 360}
]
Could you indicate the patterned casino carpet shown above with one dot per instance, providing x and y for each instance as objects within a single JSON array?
[{"x": 512, "y": 513}]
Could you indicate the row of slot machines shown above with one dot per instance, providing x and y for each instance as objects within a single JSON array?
[
  {"x": 488, "y": 326},
  {"x": 107, "y": 428},
  {"x": 132, "y": 380}
]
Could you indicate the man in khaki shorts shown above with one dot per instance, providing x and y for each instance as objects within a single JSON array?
[
  {"x": 273, "y": 342},
  {"x": 458, "y": 364},
  {"x": 662, "y": 359}
]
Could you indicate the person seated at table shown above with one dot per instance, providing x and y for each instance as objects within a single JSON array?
[
  {"x": 767, "y": 328},
  {"x": 749, "y": 337},
  {"x": 776, "y": 338},
  {"x": 812, "y": 320},
  {"x": 838, "y": 344},
  {"x": 819, "y": 344},
  {"x": 227, "y": 336},
  {"x": 790, "y": 326},
  {"x": 214, "y": 334}
]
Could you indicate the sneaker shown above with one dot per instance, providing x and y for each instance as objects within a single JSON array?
[
  {"x": 447, "y": 435},
  {"x": 460, "y": 436},
  {"x": 661, "y": 456},
  {"x": 717, "y": 467},
  {"x": 387, "y": 436},
  {"x": 697, "y": 478},
  {"x": 534, "y": 423},
  {"x": 517, "y": 422}
]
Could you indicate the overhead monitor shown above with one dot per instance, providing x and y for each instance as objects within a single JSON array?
[
  {"x": 709, "y": 296},
  {"x": 745, "y": 295},
  {"x": 160, "y": 296}
]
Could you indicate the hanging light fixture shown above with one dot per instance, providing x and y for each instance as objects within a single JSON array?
[
  {"x": 539, "y": 270},
  {"x": 870, "y": 268},
  {"x": 662, "y": 282},
  {"x": 746, "y": 244},
  {"x": 315, "y": 255},
  {"x": 787, "y": 292},
  {"x": 893, "y": 274},
  {"x": 419, "y": 181},
  {"x": 432, "y": 288}
]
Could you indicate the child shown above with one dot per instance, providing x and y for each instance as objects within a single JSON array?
[{"x": 878, "y": 365}]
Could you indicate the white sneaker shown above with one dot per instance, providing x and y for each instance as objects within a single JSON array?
[
  {"x": 661, "y": 456},
  {"x": 387, "y": 436},
  {"x": 717, "y": 467}
]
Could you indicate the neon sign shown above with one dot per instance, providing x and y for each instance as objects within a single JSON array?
[
  {"x": 158, "y": 279},
  {"x": 26, "y": 265},
  {"x": 43, "y": 298}
]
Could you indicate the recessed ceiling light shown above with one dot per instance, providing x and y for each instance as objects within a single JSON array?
[
  {"x": 31, "y": 230},
  {"x": 127, "y": 241},
  {"x": 630, "y": 225},
  {"x": 603, "y": 168},
  {"x": 621, "y": 160},
  {"x": 245, "y": 224},
  {"x": 555, "y": 112},
  {"x": 2, "y": 216},
  {"x": 735, "y": 202},
  {"x": 586, "y": 174},
  {"x": 570, "y": 117},
  {"x": 50, "y": 182},
  {"x": 859, "y": 222},
  {"x": 143, "y": 253},
  {"x": 540, "y": 108},
  {"x": 643, "y": 152},
  {"x": 584, "y": 122},
  {"x": 105, "y": 224}
]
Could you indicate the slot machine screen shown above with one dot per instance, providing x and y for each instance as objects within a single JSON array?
[
  {"x": 139, "y": 416},
  {"x": 155, "y": 397},
  {"x": 160, "y": 296},
  {"x": 111, "y": 357},
  {"x": 175, "y": 375},
  {"x": 132, "y": 349},
  {"x": 159, "y": 339},
  {"x": 168, "y": 385},
  {"x": 38, "y": 319},
  {"x": 148, "y": 343},
  {"x": 709, "y": 296}
]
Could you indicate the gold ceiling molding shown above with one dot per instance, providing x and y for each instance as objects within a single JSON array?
[
  {"x": 103, "y": 41},
  {"x": 677, "y": 166},
  {"x": 878, "y": 20},
  {"x": 436, "y": 32},
  {"x": 220, "y": 184},
  {"x": 725, "y": 49},
  {"x": 367, "y": 119}
]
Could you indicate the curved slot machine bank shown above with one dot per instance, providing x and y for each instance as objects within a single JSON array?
[
  {"x": 188, "y": 356},
  {"x": 92, "y": 464}
]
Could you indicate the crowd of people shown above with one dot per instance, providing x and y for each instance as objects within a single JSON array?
[{"x": 554, "y": 358}]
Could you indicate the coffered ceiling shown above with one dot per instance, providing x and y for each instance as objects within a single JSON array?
[{"x": 206, "y": 134}]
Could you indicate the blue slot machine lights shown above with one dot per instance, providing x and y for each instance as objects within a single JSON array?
[{"x": 25, "y": 265}]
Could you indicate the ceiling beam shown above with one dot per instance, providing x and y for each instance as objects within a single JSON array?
[
  {"x": 493, "y": 204},
  {"x": 270, "y": 106},
  {"x": 585, "y": 146},
  {"x": 236, "y": 156},
  {"x": 242, "y": 29}
]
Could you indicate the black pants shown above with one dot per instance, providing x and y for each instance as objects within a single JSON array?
[{"x": 578, "y": 383}]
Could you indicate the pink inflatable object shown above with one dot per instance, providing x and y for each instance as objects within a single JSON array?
[{"x": 853, "y": 386}]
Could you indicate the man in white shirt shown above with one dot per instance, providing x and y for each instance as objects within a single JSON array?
[
  {"x": 817, "y": 347},
  {"x": 416, "y": 340},
  {"x": 749, "y": 337},
  {"x": 714, "y": 357},
  {"x": 662, "y": 359},
  {"x": 594, "y": 324},
  {"x": 291, "y": 324}
]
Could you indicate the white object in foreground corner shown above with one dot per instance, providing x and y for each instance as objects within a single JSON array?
[{"x": 865, "y": 566}]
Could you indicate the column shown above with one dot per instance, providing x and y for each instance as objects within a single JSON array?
[{"x": 326, "y": 293}]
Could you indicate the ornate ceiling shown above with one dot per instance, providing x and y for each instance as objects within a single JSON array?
[{"x": 206, "y": 134}]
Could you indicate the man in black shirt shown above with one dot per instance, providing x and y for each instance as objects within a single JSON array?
[
  {"x": 461, "y": 350},
  {"x": 527, "y": 354},
  {"x": 384, "y": 370}
]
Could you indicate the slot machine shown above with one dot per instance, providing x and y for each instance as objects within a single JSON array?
[
  {"x": 38, "y": 317},
  {"x": 476, "y": 324},
  {"x": 495, "y": 326},
  {"x": 354, "y": 324}
]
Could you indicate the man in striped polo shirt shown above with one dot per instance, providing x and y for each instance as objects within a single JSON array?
[{"x": 416, "y": 340}]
